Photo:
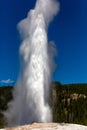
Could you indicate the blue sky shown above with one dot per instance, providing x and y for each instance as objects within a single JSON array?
[{"x": 68, "y": 30}]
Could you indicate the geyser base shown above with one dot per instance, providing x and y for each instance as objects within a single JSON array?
[{"x": 49, "y": 126}]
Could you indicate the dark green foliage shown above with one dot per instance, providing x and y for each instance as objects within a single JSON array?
[
  {"x": 2, "y": 121},
  {"x": 69, "y": 103},
  {"x": 5, "y": 97}
]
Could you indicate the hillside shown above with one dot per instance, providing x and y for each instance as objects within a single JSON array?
[{"x": 69, "y": 103}]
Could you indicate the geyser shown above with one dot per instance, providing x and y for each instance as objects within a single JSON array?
[{"x": 31, "y": 93}]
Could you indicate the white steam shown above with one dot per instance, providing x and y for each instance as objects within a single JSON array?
[{"x": 31, "y": 94}]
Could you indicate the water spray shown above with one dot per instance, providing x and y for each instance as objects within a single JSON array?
[{"x": 32, "y": 90}]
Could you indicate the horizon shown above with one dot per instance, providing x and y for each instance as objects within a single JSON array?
[{"x": 14, "y": 84}]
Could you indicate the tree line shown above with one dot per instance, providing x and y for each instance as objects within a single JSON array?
[{"x": 68, "y": 102}]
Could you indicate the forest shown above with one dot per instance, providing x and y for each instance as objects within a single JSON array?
[{"x": 68, "y": 103}]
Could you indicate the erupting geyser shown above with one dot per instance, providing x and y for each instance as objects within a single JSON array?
[{"x": 31, "y": 94}]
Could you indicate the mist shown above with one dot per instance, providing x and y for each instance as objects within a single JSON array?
[{"x": 31, "y": 93}]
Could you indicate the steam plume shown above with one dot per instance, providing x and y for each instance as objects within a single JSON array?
[{"x": 31, "y": 94}]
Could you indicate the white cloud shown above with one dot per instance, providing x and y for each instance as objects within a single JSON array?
[{"x": 7, "y": 81}]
